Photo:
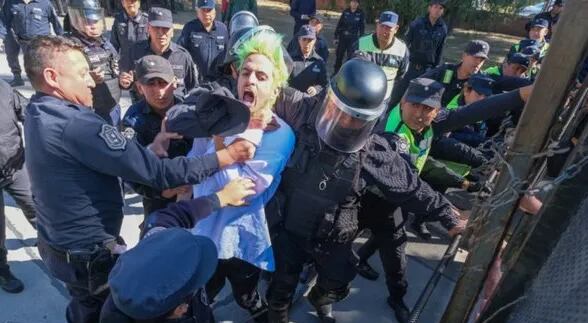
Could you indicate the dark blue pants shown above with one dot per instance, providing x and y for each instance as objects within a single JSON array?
[
  {"x": 12, "y": 49},
  {"x": 19, "y": 187},
  {"x": 83, "y": 306},
  {"x": 344, "y": 51}
]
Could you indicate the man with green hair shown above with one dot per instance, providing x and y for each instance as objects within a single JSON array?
[{"x": 241, "y": 234}]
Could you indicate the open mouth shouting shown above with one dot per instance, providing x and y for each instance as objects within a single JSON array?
[{"x": 249, "y": 98}]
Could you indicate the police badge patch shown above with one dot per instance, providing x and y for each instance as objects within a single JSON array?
[{"x": 113, "y": 139}]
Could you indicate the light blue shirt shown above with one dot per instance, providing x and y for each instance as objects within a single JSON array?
[{"x": 242, "y": 232}]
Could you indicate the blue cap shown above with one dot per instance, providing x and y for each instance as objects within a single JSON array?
[
  {"x": 306, "y": 31},
  {"x": 481, "y": 83},
  {"x": 425, "y": 91},
  {"x": 539, "y": 22},
  {"x": 518, "y": 58},
  {"x": 206, "y": 4},
  {"x": 161, "y": 272},
  {"x": 388, "y": 18},
  {"x": 478, "y": 48},
  {"x": 161, "y": 17}
]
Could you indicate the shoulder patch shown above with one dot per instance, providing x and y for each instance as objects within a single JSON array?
[
  {"x": 402, "y": 146},
  {"x": 112, "y": 137}
]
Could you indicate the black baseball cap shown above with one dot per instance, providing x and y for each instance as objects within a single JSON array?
[
  {"x": 205, "y": 113},
  {"x": 482, "y": 84},
  {"x": 161, "y": 17},
  {"x": 153, "y": 66},
  {"x": 477, "y": 48},
  {"x": 425, "y": 91}
]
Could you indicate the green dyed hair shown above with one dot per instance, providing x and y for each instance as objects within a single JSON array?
[{"x": 268, "y": 44}]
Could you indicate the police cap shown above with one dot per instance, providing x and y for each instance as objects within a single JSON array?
[
  {"x": 478, "y": 48},
  {"x": 425, "y": 91},
  {"x": 161, "y": 17},
  {"x": 161, "y": 272},
  {"x": 205, "y": 113},
  {"x": 153, "y": 66},
  {"x": 482, "y": 84}
]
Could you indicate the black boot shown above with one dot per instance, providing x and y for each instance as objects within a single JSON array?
[
  {"x": 421, "y": 230},
  {"x": 259, "y": 312},
  {"x": 366, "y": 271},
  {"x": 401, "y": 311},
  {"x": 16, "y": 81},
  {"x": 8, "y": 282},
  {"x": 322, "y": 305}
]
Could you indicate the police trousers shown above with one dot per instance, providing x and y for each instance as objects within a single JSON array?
[
  {"x": 344, "y": 50},
  {"x": 386, "y": 223},
  {"x": 12, "y": 48},
  {"x": 243, "y": 278},
  {"x": 19, "y": 188},
  {"x": 334, "y": 262},
  {"x": 84, "y": 307}
]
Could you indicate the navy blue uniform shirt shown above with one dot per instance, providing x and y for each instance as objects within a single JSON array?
[
  {"x": 351, "y": 24},
  {"x": 126, "y": 32},
  {"x": 206, "y": 48},
  {"x": 179, "y": 58},
  {"x": 307, "y": 72},
  {"x": 28, "y": 20},
  {"x": 425, "y": 41},
  {"x": 74, "y": 160}
]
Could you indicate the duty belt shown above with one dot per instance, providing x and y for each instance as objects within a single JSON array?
[{"x": 73, "y": 255}]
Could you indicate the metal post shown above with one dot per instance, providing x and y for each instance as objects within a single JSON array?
[{"x": 532, "y": 131}]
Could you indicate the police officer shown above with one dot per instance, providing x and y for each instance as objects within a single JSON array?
[
  {"x": 128, "y": 28},
  {"x": 206, "y": 39},
  {"x": 321, "y": 46},
  {"x": 309, "y": 73},
  {"x": 386, "y": 50},
  {"x": 14, "y": 178},
  {"x": 161, "y": 29},
  {"x": 350, "y": 27},
  {"x": 552, "y": 16},
  {"x": 515, "y": 65},
  {"x": 74, "y": 159},
  {"x": 453, "y": 76},
  {"x": 425, "y": 39},
  {"x": 335, "y": 158},
  {"x": 135, "y": 296},
  {"x": 25, "y": 20},
  {"x": 538, "y": 29},
  {"x": 156, "y": 82},
  {"x": 87, "y": 20},
  {"x": 301, "y": 11},
  {"x": 410, "y": 128}
]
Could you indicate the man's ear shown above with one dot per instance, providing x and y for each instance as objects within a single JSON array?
[
  {"x": 50, "y": 76},
  {"x": 139, "y": 87},
  {"x": 179, "y": 311}
]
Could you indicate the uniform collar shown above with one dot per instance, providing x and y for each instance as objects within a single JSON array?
[
  {"x": 88, "y": 41},
  {"x": 135, "y": 19},
  {"x": 147, "y": 109},
  {"x": 54, "y": 101},
  {"x": 172, "y": 47},
  {"x": 201, "y": 26}
]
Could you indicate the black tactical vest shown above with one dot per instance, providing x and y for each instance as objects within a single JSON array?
[{"x": 317, "y": 184}]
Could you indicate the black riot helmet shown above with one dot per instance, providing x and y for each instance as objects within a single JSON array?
[
  {"x": 87, "y": 17},
  {"x": 242, "y": 19},
  {"x": 352, "y": 106}
]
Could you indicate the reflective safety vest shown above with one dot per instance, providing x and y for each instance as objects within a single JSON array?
[
  {"x": 418, "y": 151},
  {"x": 494, "y": 70},
  {"x": 389, "y": 59},
  {"x": 454, "y": 103}
]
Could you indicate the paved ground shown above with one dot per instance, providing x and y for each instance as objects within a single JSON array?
[{"x": 44, "y": 298}]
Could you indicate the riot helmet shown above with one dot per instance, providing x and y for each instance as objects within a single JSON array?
[
  {"x": 352, "y": 106},
  {"x": 87, "y": 17},
  {"x": 242, "y": 19}
]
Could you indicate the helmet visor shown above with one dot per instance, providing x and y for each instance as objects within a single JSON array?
[
  {"x": 89, "y": 22},
  {"x": 340, "y": 130}
]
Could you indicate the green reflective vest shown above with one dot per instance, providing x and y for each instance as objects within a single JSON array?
[
  {"x": 389, "y": 59},
  {"x": 418, "y": 151},
  {"x": 494, "y": 70},
  {"x": 454, "y": 103}
]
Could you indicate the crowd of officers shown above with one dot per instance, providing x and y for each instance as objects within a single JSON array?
[{"x": 374, "y": 155}]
